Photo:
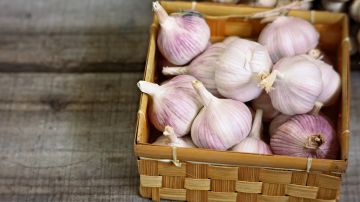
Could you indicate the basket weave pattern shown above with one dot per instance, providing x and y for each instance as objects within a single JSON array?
[
  {"x": 268, "y": 178},
  {"x": 204, "y": 182}
]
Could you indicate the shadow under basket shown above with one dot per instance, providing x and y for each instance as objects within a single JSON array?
[{"x": 209, "y": 175}]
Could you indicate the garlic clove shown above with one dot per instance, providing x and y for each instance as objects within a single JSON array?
[
  {"x": 288, "y": 36},
  {"x": 221, "y": 123},
  {"x": 182, "y": 36},
  {"x": 170, "y": 138},
  {"x": 174, "y": 103},
  {"x": 305, "y": 136},
  {"x": 253, "y": 143},
  {"x": 239, "y": 69}
]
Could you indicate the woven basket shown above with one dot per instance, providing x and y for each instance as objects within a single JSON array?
[{"x": 195, "y": 174}]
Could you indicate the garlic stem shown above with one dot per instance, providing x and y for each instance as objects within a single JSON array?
[
  {"x": 175, "y": 70},
  {"x": 314, "y": 141},
  {"x": 256, "y": 127},
  {"x": 161, "y": 13},
  {"x": 317, "y": 108},
  {"x": 205, "y": 96},
  {"x": 268, "y": 82},
  {"x": 170, "y": 134},
  {"x": 148, "y": 87}
]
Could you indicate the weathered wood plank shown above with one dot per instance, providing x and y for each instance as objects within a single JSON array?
[
  {"x": 73, "y": 52},
  {"x": 73, "y": 16},
  {"x": 61, "y": 154},
  {"x": 73, "y": 35}
]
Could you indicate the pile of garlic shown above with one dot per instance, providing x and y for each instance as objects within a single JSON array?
[{"x": 207, "y": 102}]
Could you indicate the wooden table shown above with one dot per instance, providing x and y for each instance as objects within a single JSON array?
[{"x": 68, "y": 101}]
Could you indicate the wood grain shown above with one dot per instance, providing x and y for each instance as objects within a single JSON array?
[
  {"x": 73, "y": 35},
  {"x": 68, "y": 154}
]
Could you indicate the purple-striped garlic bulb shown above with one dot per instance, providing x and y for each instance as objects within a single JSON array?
[
  {"x": 170, "y": 138},
  {"x": 263, "y": 102},
  {"x": 294, "y": 85},
  {"x": 276, "y": 122},
  {"x": 240, "y": 69},
  {"x": 253, "y": 143},
  {"x": 306, "y": 136},
  {"x": 288, "y": 36},
  {"x": 174, "y": 103},
  {"x": 221, "y": 123},
  {"x": 202, "y": 67},
  {"x": 182, "y": 36}
]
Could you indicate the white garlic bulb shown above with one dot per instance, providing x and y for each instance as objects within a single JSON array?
[
  {"x": 333, "y": 6},
  {"x": 182, "y": 36},
  {"x": 170, "y": 138},
  {"x": 226, "y": 1},
  {"x": 263, "y": 102},
  {"x": 288, "y": 36},
  {"x": 221, "y": 123},
  {"x": 202, "y": 67},
  {"x": 355, "y": 10},
  {"x": 264, "y": 3},
  {"x": 240, "y": 69},
  {"x": 174, "y": 103},
  {"x": 253, "y": 143},
  {"x": 294, "y": 85}
]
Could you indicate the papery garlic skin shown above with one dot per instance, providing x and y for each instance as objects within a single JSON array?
[
  {"x": 288, "y": 36},
  {"x": 182, "y": 36},
  {"x": 333, "y": 6},
  {"x": 253, "y": 143},
  {"x": 264, "y": 102},
  {"x": 174, "y": 103},
  {"x": 294, "y": 85},
  {"x": 202, "y": 67},
  {"x": 221, "y": 123},
  {"x": 240, "y": 69},
  {"x": 170, "y": 138},
  {"x": 306, "y": 136},
  {"x": 264, "y": 3}
]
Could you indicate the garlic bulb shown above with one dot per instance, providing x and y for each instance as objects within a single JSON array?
[
  {"x": 305, "y": 136},
  {"x": 240, "y": 69},
  {"x": 174, "y": 103},
  {"x": 333, "y": 6},
  {"x": 264, "y": 3},
  {"x": 170, "y": 138},
  {"x": 182, "y": 36},
  {"x": 355, "y": 10},
  {"x": 221, "y": 123},
  {"x": 253, "y": 143},
  {"x": 294, "y": 85},
  {"x": 263, "y": 102},
  {"x": 288, "y": 36},
  {"x": 202, "y": 67},
  {"x": 276, "y": 122},
  {"x": 226, "y": 1}
]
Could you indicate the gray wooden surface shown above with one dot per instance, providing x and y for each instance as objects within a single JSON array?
[{"x": 67, "y": 126}]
